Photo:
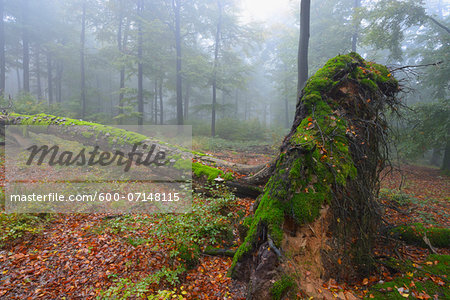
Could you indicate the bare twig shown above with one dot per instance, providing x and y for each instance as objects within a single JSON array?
[{"x": 417, "y": 66}]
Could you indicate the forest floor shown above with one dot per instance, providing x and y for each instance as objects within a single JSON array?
[{"x": 68, "y": 256}]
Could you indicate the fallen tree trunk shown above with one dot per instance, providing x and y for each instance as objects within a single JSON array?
[
  {"x": 111, "y": 138},
  {"x": 317, "y": 214}
]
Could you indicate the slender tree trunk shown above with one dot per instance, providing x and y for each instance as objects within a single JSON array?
[
  {"x": 186, "y": 100},
  {"x": 49, "y": 77},
  {"x": 82, "y": 54},
  {"x": 435, "y": 156},
  {"x": 446, "y": 162},
  {"x": 357, "y": 4},
  {"x": 265, "y": 115},
  {"x": 140, "y": 9},
  {"x": 99, "y": 93},
  {"x": 438, "y": 23},
  {"x": 38, "y": 71},
  {"x": 305, "y": 9},
  {"x": 236, "y": 103},
  {"x": 121, "y": 44},
  {"x": 176, "y": 5},
  {"x": 155, "y": 104},
  {"x": 59, "y": 76},
  {"x": 26, "y": 47},
  {"x": 286, "y": 101},
  {"x": 19, "y": 83},
  {"x": 2, "y": 51},
  {"x": 245, "y": 108},
  {"x": 216, "y": 62},
  {"x": 161, "y": 103}
]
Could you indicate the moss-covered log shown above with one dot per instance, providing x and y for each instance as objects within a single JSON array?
[
  {"x": 331, "y": 158},
  {"x": 415, "y": 233},
  {"x": 112, "y": 138}
]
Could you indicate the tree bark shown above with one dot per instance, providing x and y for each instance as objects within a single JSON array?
[
  {"x": 286, "y": 100},
  {"x": 446, "y": 162},
  {"x": 161, "y": 111},
  {"x": 305, "y": 10},
  {"x": 2, "y": 50},
  {"x": 59, "y": 77},
  {"x": 356, "y": 5},
  {"x": 439, "y": 24},
  {"x": 19, "y": 84},
  {"x": 82, "y": 58},
  {"x": 122, "y": 69},
  {"x": 186, "y": 100},
  {"x": 49, "y": 77},
  {"x": 155, "y": 103},
  {"x": 176, "y": 6},
  {"x": 216, "y": 62},
  {"x": 38, "y": 71},
  {"x": 26, "y": 47},
  {"x": 140, "y": 9}
]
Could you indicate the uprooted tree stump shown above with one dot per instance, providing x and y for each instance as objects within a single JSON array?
[{"x": 317, "y": 215}]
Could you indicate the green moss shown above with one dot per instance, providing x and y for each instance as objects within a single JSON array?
[
  {"x": 414, "y": 233},
  {"x": 438, "y": 265},
  {"x": 323, "y": 157},
  {"x": 183, "y": 164},
  {"x": 228, "y": 176},
  {"x": 281, "y": 287},
  {"x": 115, "y": 135},
  {"x": 87, "y": 134},
  {"x": 189, "y": 254},
  {"x": 203, "y": 170},
  {"x": 370, "y": 84}
]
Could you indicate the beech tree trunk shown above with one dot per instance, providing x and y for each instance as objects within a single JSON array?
[
  {"x": 176, "y": 6},
  {"x": 2, "y": 50},
  {"x": 161, "y": 117},
  {"x": 186, "y": 100},
  {"x": 356, "y": 5},
  {"x": 305, "y": 12},
  {"x": 216, "y": 62},
  {"x": 446, "y": 162},
  {"x": 82, "y": 57},
  {"x": 122, "y": 69},
  {"x": 140, "y": 96},
  {"x": 26, "y": 47},
  {"x": 59, "y": 76},
  {"x": 49, "y": 77},
  {"x": 38, "y": 71}
]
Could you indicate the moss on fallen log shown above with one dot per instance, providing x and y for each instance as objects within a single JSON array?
[{"x": 415, "y": 233}]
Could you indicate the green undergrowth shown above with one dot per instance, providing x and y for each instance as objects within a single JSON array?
[
  {"x": 414, "y": 233},
  {"x": 210, "y": 222},
  {"x": 281, "y": 287},
  {"x": 124, "y": 288},
  {"x": 13, "y": 227},
  {"x": 410, "y": 203},
  {"x": 209, "y": 172},
  {"x": 320, "y": 155},
  {"x": 181, "y": 237},
  {"x": 427, "y": 280}
]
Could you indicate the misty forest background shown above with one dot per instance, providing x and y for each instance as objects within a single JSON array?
[{"x": 205, "y": 64}]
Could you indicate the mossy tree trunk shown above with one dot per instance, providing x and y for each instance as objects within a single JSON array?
[{"x": 331, "y": 157}]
